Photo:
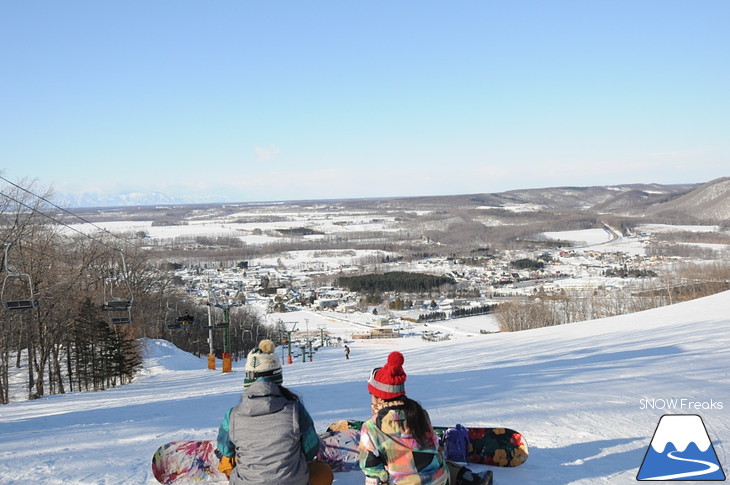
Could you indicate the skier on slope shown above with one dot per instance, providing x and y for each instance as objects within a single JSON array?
[
  {"x": 398, "y": 444},
  {"x": 269, "y": 437}
]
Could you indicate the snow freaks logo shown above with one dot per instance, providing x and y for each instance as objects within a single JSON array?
[
  {"x": 681, "y": 450},
  {"x": 675, "y": 404}
]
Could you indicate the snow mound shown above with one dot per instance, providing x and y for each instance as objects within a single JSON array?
[{"x": 162, "y": 356}]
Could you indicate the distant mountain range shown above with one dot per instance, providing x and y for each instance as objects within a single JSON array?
[
  {"x": 708, "y": 202},
  {"x": 130, "y": 199}
]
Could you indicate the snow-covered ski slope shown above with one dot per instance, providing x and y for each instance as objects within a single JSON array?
[{"x": 581, "y": 394}]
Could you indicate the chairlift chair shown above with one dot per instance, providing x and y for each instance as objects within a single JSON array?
[
  {"x": 11, "y": 301},
  {"x": 120, "y": 311},
  {"x": 119, "y": 307},
  {"x": 122, "y": 319},
  {"x": 18, "y": 304},
  {"x": 175, "y": 323},
  {"x": 186, "y": 320}
]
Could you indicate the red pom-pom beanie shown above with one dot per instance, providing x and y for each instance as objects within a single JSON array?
[{"x": 389, "y": 381}]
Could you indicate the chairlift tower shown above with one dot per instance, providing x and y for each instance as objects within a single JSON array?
[
  {"x": 309, "y": 341},
  {"x": 226, "y": 326},
  {"x": 288, "y": 339},
  {"x": 321, "y": 329},
  {"x": 227, "y": 361},
  {"x": 211, "y": 352}
]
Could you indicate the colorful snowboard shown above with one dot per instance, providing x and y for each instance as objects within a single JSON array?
[
  {"x": 495, "y": 446},
  {"x": 490, "y": 446},
  {"x": 187, "y": 462},
  {"x": 182, "y": 462},
  {"x": 339, "y": 449}
]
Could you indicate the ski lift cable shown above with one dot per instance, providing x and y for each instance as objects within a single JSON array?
[
  {"x": 85, "y": 221},
  {"x": 64, "y": 224},
  {"x": 127, "y": 302},
  {"x": 74, "y": 229},
  {"x": 58, "y": 221},
  {"x": 44, "y": 254},
  {"x": 110, "y": 306}
]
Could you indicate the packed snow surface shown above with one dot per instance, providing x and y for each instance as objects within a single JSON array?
[{"x": 587, "y": 396}]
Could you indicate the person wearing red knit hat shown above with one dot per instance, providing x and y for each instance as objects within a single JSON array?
[
  {"x": 398, "y": 444},
  {"x": 389, "y": 381}
]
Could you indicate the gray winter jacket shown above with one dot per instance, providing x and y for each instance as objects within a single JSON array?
[{"x": 265, "y": 430}]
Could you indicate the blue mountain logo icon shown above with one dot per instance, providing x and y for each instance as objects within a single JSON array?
[{"x": 681, "y": 450}]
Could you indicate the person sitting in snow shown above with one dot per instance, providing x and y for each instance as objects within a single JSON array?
[
  {"x": 398, "y": 444},
  {"x": 269, "y": 437}
]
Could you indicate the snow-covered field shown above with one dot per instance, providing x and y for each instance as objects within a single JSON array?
[
  {"x": 580, "y": 393},
  {"x": 677, "y": 228},
  {"x": 584, "y": 237}
]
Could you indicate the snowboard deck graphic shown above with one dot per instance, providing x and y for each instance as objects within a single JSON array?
[
  {"x": 191, "y": 462},
  {"x": 183, "y": 462},
  {"x": 501, "y": 447}
]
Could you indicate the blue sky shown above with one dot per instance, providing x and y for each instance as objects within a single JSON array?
[{"x": 254, "y": 100}]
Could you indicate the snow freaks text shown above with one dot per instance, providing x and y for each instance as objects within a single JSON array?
[{"x": 679, "y": 404}]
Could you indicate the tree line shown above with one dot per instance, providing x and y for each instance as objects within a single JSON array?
[
  {"x": 393, "y": 281},
  {"x": 687, "y": 282},
  {"x": 458, "y": 313}
]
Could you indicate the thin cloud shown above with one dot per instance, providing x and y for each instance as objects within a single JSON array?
[{"x": 264, "y": 154}]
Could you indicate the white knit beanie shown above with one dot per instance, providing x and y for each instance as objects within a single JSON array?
[{"x": 263, "y": 362}]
